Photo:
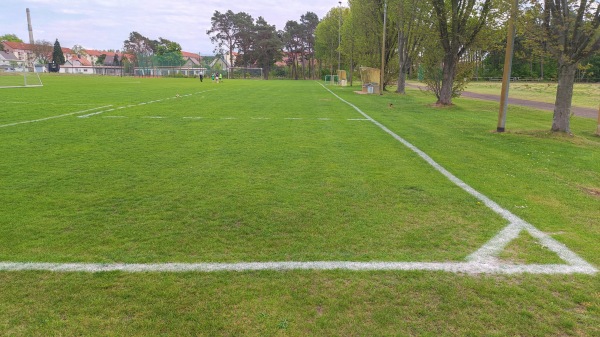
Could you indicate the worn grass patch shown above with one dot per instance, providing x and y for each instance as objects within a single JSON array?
[{"x": 527, "y": 250}]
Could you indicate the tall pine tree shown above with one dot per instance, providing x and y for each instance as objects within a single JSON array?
[{"x": 57, "y": 55}]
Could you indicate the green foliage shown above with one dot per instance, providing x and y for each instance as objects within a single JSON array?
[
  {"x": 10, "y": 38},
  {"x": 57, "y": 55},
  {"x": 101, "y": 59}
]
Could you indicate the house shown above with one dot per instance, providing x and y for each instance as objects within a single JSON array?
[
  {"x": 77, "y": 65},
  {"x": 219, "y": 63},
  {"x": 22, "y": 51},
  {"x": 191, "y": 60},
  {"x": 231, "y": 60},
  {"x": 9, "y": 62}
]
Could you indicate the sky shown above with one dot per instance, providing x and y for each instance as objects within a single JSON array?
[{"x": 105, "y": 24}]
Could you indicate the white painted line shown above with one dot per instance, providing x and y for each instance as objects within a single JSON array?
[
  {"x": 153, "y": 117},
  {"x": 228, "y": 118},
  {"x": 129, "y": 106},
  {"x": 453, "y": 267},
  {"x": 358, "y": 119},
  {"x": 52, "y": 117},
  {"x": 193, "y": 117},
  {"x": 260, "y": 118},
  {"x": 515, "y": 224},
  {"x": 95, "y": 113}
]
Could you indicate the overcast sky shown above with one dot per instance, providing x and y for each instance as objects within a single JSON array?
[{"x": 105, "y": 24}]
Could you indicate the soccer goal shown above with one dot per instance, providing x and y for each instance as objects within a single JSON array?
[
  {"x": 19, "y": 78},
  {"x": 331, "y": 79},
  {"x": 246, "y": 73}
]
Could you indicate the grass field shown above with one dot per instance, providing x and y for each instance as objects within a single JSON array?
[
  {"x": 128, "y": 170},
  {"x": 585, "y": 95}
]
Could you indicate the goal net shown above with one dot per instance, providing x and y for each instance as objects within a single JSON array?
[
  {"x": 331, "y": 79},
  {"x": 246, "y": 73},
  {"x": 19, "y": 78}
]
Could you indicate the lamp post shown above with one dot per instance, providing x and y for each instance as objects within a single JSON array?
[{"x": 339, "y": 38}]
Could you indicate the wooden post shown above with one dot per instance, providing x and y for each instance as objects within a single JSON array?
[
  {"x": 510, "y": 43},
  {"x": 598, "y": 129}
]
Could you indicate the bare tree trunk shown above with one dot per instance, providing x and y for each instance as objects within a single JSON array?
[
  {"x": 449, "y": 72},
  {"x": 564, "y": 95},
  {"x": 401, "y": 89}
]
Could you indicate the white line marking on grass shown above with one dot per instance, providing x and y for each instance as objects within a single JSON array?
[
  {"x": 193, "y": 117},
  {"x": 324, "y": 119},
  {"x": 453, "y": 267},
  {"x": 358, "y": 119},
  {"x": 131, "y": 106},
  {"x": 515, "y": 224},
  {"x": 52, "y": 117},
  {"x": 153, "y": 117},
  {"x": 293, "y": 118},
  {"x": 259, "y": 118}
]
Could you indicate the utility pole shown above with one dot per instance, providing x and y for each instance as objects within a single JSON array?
[
  {"x": 510, "y": 43},
  {"x": 381, "y": 75},
  {"x": 339, "y": 40}
]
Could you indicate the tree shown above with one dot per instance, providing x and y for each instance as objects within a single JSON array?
[
  {"x": 367, "y": 16},
  {"x": 412, "y": 25},
  {"x": 9, "y": 38},
  {"x": 309, "y": 22},
  {"x": 57, "y": 55},
  {"x": 458, "y": 25},
  {"x": 101, "y": 59},
  {"x": 140, "y": 47},
  {"x": 292, "y": 39},
  {"x": 42, "y": 50},
  {"x": 223, "y": 32},
  {"x": 78, "y": 49},
  {"x": 326, "y": 39},
  {"x": 573, "y": 33},
  {"x": 246, "y": 36},
  {"x": 168, "y": 52},
  {"x": 267, "y": 46}
]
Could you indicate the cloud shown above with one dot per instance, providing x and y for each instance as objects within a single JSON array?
[{"x": 105, "y": 24}]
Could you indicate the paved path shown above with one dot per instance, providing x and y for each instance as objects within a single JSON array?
[{"x": 578, "y": 111}]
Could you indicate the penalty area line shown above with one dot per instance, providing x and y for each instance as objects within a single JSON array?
[
  {"x": 452, "y": 267},
  {"x": 515, "y": 224}
]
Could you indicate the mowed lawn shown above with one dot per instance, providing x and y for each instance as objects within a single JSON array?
[
  {"x": 585, "y": 95},
  {"x": 174, "y": 170}
]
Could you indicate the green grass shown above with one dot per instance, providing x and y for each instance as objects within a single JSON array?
[
  {"x": 586, "y": 95},
  {"x": 248, "y": 182}
]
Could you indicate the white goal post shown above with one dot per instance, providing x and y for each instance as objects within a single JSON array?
[
  {"x": 19, "y": 77},
  {"x": 246, "y": 73}
]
